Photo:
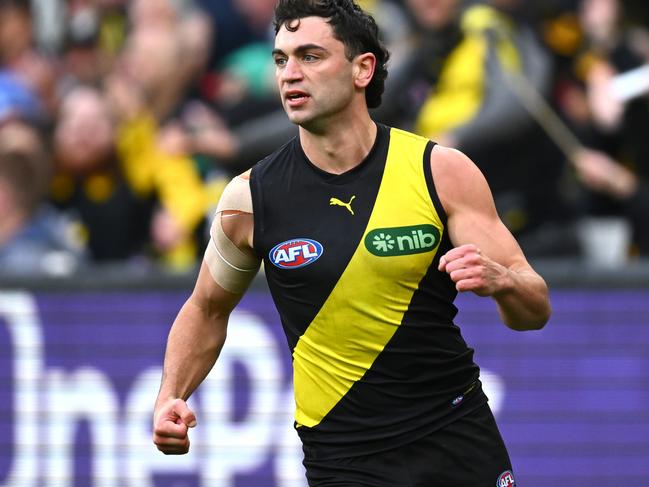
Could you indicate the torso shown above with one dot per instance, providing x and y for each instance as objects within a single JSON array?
[{"x": 351, "y": 262}]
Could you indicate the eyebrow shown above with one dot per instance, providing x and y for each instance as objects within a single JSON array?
[{"x": 301, "y": 49}]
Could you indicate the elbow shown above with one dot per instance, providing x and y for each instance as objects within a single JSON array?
[
  {"x": 535, "y": 321},
  {"x": 529, "y": 308},
  {"x": 527, "y": 325}
]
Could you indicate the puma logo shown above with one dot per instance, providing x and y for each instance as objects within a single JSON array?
[{"x": 337, "y": 202}]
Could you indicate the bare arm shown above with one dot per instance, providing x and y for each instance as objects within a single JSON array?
[
  {"x": 486, "y": 259},
  {"x": 194, "y": 343},
  {"x": 198, "y": 332}
]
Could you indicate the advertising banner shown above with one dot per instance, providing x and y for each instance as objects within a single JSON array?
[{"x": 79, "y": 373}]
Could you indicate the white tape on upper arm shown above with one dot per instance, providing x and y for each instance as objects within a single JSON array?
[
  {"x": 230, "y": 267},
  {"x": 236, "y": 196}
]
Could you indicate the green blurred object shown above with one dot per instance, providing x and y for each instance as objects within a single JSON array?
[{"x": 254, "y": 65}]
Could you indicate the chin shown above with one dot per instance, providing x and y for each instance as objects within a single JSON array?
[{"x": 299, "y": 119}]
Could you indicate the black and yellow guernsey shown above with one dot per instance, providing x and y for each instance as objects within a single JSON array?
[{"x": 351, "y": 262}]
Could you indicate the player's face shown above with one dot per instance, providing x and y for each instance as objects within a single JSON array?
[{"x": 314, "y": 76}]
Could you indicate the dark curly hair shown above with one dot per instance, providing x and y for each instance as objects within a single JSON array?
[{"x": 355, "y": 28}]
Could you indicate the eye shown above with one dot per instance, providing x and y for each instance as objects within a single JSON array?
[
  {"x": 280, "y": 61},
  {"x": 309, "y": 58}
]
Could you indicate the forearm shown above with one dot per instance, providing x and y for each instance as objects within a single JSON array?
[
  {"x": 487, "y": 260},
  {"x": 523, "y": 301},
  {"x": 194, "y": 343}
]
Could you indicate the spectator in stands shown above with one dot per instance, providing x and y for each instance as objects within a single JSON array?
[
  {"x": 600, "y": 173},
  {"x": 236, "y": 23},
  {"x": 83, "y": 58},
  {"x": 456, "y": 75},
  {"x": 151, "y": 58},
  {"x": 18, "y": 100},
  {"x": 165, "y": 57},
  {"x": 89, "y": 183},
  {"x": 455, "y": 88},
  {"x": 33, "y": 237},
  {"x": 616, "y": 172},
  {"x": 20, "y": 58},
  {"x": 130, "y": 194},
  {"x": 175, "y": 124}
]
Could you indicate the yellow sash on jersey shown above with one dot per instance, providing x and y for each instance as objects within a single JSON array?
[{"x": 367, "y": 305}]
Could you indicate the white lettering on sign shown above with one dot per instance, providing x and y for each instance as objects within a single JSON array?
[
  {"x": 239, "y": 431},
  {"x": 19, "y": 313},
  {"x": 230, "y": 446},
  {"x": 83, "y": 395},
  {"x": 50, "y": 404},
  {"x": 140, "y": 459},
  {"x": 494, "y": 387}
]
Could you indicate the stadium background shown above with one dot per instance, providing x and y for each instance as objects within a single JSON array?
[
  {"x": 80, "y": 363},
  {"x": 177, "y": 96}
]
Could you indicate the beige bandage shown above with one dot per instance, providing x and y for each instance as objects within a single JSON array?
[
  {"x": 231, "y": 268},
  {"x": 236, "y": 196}
]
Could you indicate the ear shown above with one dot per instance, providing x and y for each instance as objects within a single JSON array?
[{"x": 364, "y": 66}]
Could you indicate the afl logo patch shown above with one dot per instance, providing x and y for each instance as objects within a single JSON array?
[
  {"x": 506, "y": 479},
  {"x": 295, "y": 253}
]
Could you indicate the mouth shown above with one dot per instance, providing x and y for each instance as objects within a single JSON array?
[{"x": 295, "y": 97}]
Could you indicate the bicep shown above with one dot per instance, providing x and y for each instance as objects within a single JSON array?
[
  {"x": 471, "y": 211},
  {"x": 211, "y": 298},
  {"x": 480, "y": 227},
  {"x": 229, "y": 257}
]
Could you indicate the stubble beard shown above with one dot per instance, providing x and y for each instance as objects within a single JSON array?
[{"x": 316, "y": 121}]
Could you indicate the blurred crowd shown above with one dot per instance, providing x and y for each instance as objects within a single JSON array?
[{"x": 122, "y": 120}]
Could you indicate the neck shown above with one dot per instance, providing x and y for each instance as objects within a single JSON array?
[{"x": 342, "y": 145}]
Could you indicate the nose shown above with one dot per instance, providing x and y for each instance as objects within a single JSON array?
[{"x": 291, "y": 70}]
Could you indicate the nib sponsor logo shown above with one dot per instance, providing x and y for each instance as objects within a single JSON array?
[
  {"x": 295, "y": 253},
  {"x": 415, "y": 239}
]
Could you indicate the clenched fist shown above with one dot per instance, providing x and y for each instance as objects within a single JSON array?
[
  {"x": 171, "y": 424},
  {"x": 471, "y": 270}
]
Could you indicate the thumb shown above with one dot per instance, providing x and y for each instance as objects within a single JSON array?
[
  {"x": 186, "y": 415},
  {"x": 442, "y": 264}
]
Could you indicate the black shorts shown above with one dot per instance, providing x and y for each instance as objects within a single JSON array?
[{"x": 469, "y": 452}]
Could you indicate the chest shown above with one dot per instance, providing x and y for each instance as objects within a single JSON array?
[{"x": 320, "y": 232}]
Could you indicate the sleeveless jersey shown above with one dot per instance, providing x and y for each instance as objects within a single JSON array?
[{"x": 351, "y": 263}]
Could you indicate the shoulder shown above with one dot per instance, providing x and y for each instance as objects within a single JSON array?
[
  {"x": 458, "y": 180},
  {"x": 452, "y": 165},
  {"x": 236, "y": 196},
  {"x": 403, "y": 144},
  {"x": 407, "y": 137}
]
